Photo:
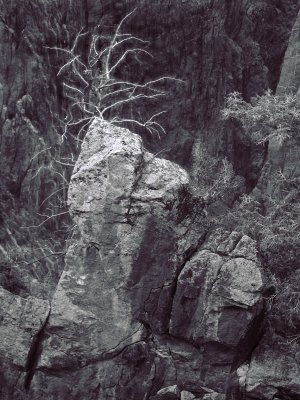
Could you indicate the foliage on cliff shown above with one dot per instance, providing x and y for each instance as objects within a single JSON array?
[
  {"x": 273, "y": 218},
  {"x": 267, "y": 116}
]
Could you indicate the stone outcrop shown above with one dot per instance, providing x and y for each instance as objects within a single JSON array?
[
  {"x": 273, "y": 370},
  {"x": 147, "y": 305},
  {"x": 217, "y": 299},
  {"x": 213, "y": 46}
]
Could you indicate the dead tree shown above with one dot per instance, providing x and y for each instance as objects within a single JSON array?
[{"x": 93, "y": 88}]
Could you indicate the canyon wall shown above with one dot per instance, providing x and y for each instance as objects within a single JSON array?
[{"x": 136, "y": 295}]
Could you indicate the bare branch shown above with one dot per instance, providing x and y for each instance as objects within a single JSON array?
[
  {"x": 45, "y": 220},
  {"x": 80, "y": 34},
  {"x": 96, "y": 91},
  {"x": 52, "y": 194},
  {"x": 54, "y": 254},
  {"x": 67, "y": 64},
  {"x": 122, "y": 58},
  {"x": 130, "y": 99},
  {"x": 73, "y": 88},
  {"x": 40, "y": 152}
]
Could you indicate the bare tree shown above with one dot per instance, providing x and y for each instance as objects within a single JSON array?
[
  {"x": 90, "y": 80},
  {"x": 93, "y": 88}
]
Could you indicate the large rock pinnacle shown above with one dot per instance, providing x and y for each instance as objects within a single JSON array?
[{"x": 118, "y": 196}]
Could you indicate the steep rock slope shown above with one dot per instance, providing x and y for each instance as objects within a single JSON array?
[
  {"x": 220, "y": 47},
  {"x": 33, "y": 183},
  {"x": 290, "y": 71},
  {"x": 282, "y": 155}
]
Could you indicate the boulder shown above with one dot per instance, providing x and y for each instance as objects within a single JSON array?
[
  {"x": 217, "y": 299},
  {"x": 168, "y": 393},
  {"x": 185, "y": 395}
]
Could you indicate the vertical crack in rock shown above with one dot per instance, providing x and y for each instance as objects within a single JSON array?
[
  {"x": 34, "y": 353},
  {"x": 139, "y": 173},
  {"x": 245, "y": 349},
  {"x": 190, "y": 252},
  {"x": 12, "y": 392},
  {"x": 251, "y": 340},
  {"x": 153, "y": 381}
]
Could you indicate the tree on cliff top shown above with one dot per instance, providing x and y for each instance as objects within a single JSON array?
[
  {"x": 94, "y": 76},
  {"x": 90, "y": 81}
]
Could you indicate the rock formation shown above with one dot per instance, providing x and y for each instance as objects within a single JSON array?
[
  {"x": 139, "y": 297},
  {"x": 144, "y": 293}
]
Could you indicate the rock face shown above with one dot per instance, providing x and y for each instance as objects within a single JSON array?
[
  {"x": 147, "y": 305},
  {"x": 232, "y": 50},
  {"x": 214, "y": 47},
  {"x": 290, "y": 72},
  {"x": 218, "y": 295},
  {"x": 22, "y": 321},
  {"x": 285, "y": 156},
  {"x": 151, "y": 303},
  {"x": 273, "y": 370}
]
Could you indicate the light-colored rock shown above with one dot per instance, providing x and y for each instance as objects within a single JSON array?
[
  {"x": 168, "y": 393},
  {"x": 119, "y": 197},
  {"x": 242, "y": 372},
  {"x": 213, "y": 396},
  {"x": 245, "y": 248},
  {"x": 133, "y": 272},
  {"x": 185, "y": 395},
  {"x": 194, "y": 286}
]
